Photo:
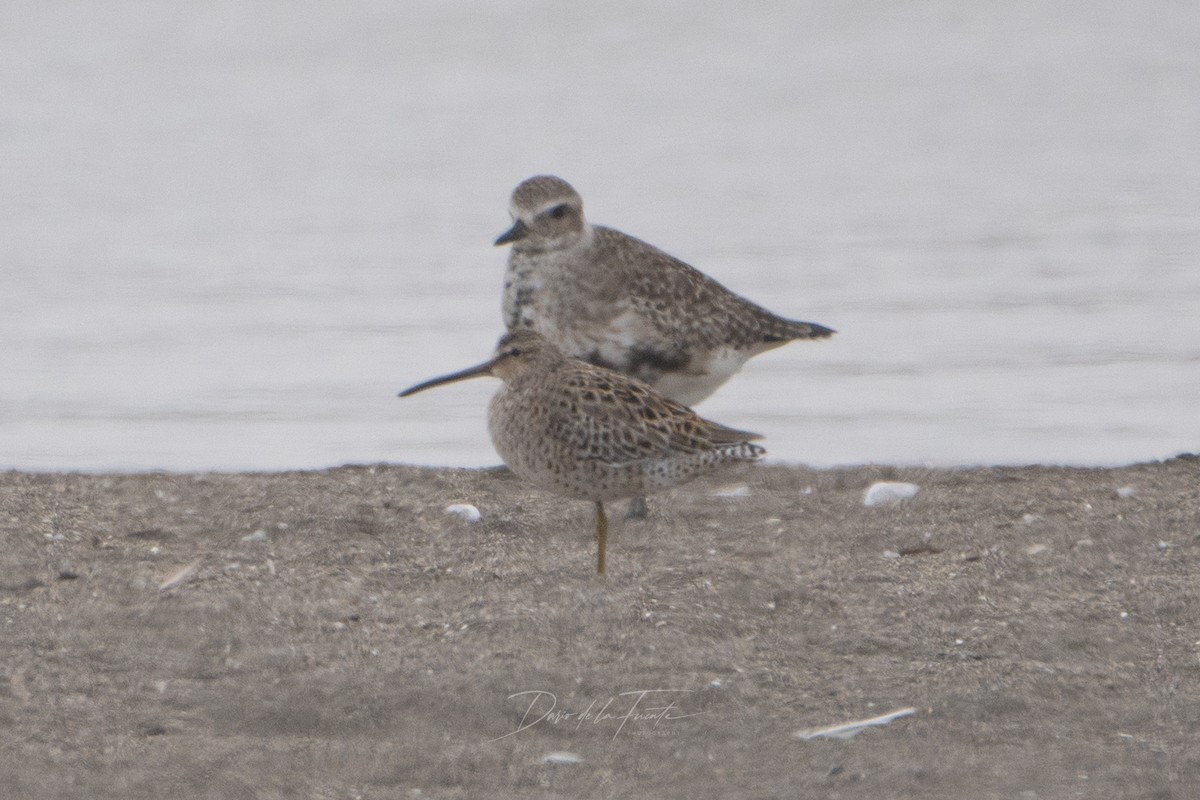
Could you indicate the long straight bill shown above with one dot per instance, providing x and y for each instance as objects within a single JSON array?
[{"x": 478, "y": 371}]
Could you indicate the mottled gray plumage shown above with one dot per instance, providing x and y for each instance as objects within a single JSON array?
[
  {"x": 616, "y": 301},
  {"x": 590, "y": 433}
]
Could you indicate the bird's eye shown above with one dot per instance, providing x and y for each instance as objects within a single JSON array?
[
  {"x": 514, "y": 351},
  {"x": 559, "y": 211}
]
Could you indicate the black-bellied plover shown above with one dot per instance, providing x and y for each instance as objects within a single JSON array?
[
  {"x": 615, "y": 301},
  {"x": 590, "y": 433}
]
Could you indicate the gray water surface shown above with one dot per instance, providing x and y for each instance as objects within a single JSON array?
[{"x": 231, "y": 232}]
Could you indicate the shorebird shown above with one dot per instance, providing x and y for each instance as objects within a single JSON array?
[
  {"x": 590, "y": 433},
  {"x": 615, "y": 301}
]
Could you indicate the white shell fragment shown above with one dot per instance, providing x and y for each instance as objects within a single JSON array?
[
  {"x": 178, "y": 576},
  {"x": 886, "y": 493},
  {"x": 740, "y": 490},
  {"x": 562, "y": 757},
  {"x": 464, "y": 511},
  {"x": 846, "y": 730}
]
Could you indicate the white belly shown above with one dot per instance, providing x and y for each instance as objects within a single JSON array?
[{"x": 702, "y": 379}]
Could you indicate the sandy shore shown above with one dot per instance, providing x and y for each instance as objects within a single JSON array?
[{"x": 337, "y": 634}]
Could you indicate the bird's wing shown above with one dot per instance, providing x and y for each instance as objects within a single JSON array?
[
  {"x": 610, "y": 417},
  {"x": 659, "y": 283}
]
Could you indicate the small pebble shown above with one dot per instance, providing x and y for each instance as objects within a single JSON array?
[
  {"x": 258, "y": 536},
  {"x": 1034, "y": 549},
  {"x": 464, "y": 511},
  {"x": 1126, "y": 492},
  {"x": 886, "y": 493},
  {"x": 732, "y": 491},
  {"x": 890, "y": 554}
]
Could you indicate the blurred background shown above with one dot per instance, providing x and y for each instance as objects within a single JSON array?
[{"x": 230, "y": 232}]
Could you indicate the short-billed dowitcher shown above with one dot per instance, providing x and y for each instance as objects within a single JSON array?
[
  {"x": 591, "y": 433},
  {"x": 610, "y": 299}
]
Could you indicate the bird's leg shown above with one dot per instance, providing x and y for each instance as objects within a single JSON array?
[
  {"x": 637, "y": 508},
  {"x": 601, "y": 536}
]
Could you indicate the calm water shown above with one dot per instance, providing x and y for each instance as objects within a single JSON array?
[{"x": 230, "y": 232}]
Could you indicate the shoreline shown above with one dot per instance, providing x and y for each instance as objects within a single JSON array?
[{"x": 767, "y": 462}]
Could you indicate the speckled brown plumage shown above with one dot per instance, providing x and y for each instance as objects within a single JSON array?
[
  {"x": 590, "y": 433},
  {"x": 616, "y": 301}
]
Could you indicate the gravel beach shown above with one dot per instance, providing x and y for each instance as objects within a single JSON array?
[{"x": 339, "y": 634}]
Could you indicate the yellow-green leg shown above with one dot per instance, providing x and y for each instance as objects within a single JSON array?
[{"x": 601, "y": 536}]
